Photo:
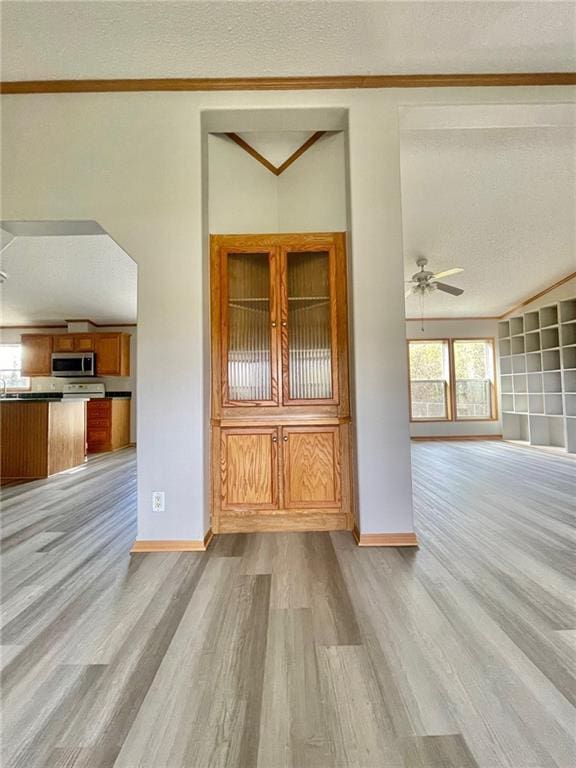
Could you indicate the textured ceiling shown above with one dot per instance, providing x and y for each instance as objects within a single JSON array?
[
  {"x": 52, "y": 279},
  {"x": 499, "y": 202},
  {"x": 59, "y": 40}
]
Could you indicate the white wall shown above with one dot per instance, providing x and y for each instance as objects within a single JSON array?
[
  {"x": 112, "y": 383},
  {"x": 132, "y": 162},
  {"x": 309, "y": 196},
  {"x": 456, "y": 329}
]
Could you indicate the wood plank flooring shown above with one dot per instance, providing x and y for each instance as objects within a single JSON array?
[{"x": 296, "y": 650}]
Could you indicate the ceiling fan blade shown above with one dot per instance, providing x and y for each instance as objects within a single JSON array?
[
  {"x": 449, "y": 289},
  {"x": 447, "y": 273},
  {"x": 408, "y": 292}
]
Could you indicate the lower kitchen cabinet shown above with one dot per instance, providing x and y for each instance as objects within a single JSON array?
[
  {"x": 108, "y": 424},
  {"x": 280, "y": 477}
]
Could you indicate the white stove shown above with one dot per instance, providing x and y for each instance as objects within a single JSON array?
[{"x": 83, "y": 391}]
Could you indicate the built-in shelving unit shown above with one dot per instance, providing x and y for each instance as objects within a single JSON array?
[{"x": 537, "y": 353}]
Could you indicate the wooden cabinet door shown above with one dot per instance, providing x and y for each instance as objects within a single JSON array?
[
  {"x": 311, "y": 466},
  {"x": 83, "y": 343},
  {"x": 64, "y": 343},
  {"x": 108, "y": 354},
  {"x": 36, "y": 355},
  {"x": 249, "y": 468}
]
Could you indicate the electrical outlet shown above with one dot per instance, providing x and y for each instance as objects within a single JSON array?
[{"x": 158, "y": 501}]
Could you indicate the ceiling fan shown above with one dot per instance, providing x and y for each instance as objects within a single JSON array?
[{"x": 425, "y": 282}]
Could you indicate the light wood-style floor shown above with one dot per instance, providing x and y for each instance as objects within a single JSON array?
[{"x": 296, "y": 650}]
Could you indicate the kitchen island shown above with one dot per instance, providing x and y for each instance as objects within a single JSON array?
[{"x": 41, "y": 437}]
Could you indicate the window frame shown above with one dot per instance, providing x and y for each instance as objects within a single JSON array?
[
  {"x": 15, "y": 389},
  {"x": 447, "y": 382},
  {"x": 493, "y": 391},
  {"x": 450, "y": 388}
]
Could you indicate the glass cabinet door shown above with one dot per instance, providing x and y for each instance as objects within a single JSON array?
[
  {"x": 308, "y": 327},
  {"x": 249, "y": 353}
]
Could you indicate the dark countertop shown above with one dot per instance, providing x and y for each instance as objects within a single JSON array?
[{"x": 53, "y": 396}]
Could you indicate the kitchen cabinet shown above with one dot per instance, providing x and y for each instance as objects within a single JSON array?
[
  {"x": 69, "y": 342},
  {"x": 280, "y": 397},
  {"x": 112, "y": 351},
  {"x": 108, "y": 424},
  {"x": 36, "y": 354},
  {"x": 112, "y": 354}
]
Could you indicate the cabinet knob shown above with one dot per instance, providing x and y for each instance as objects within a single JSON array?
[
  {"x": 285, "y": 438},
  {"x": 273, "y": 324},
  {"x": 274, "y": 439},
  {"x": 284, "y": 323}
]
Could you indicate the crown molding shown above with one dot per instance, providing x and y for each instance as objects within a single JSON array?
[
  {"x": 327, "y": 82},
  {"x": 275, "y": 169}
]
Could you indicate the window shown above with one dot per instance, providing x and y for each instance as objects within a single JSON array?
[
  {"x": 452, "y": 379},
  {"x": 429, "y": 377},
  {"x": 473, "y": 379},
  {"x": 11, "y": 366}
]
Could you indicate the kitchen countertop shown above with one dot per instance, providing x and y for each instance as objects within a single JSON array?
[{"x": 13, "y": 397}]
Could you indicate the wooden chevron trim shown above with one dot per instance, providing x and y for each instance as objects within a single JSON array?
[{"x": 275, "y": 169}]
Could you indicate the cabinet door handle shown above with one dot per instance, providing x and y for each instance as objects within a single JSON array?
[
  {"x": 284, "y": 323},
  {"x": 273, "y": 324},
  {"x": 274, "y": 439},
  {"x": 285, "y": 438}
]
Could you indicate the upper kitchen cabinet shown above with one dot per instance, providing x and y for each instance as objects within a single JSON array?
[
  {"x": 71, "y": 342},
  {"x": 112, "y": 351},
  {"x": 279, "y": 324},
  {"x": 36, "y": 354},
  {"x": 112, "y": 354}
]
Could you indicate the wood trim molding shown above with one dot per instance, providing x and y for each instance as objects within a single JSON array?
[
  {"x": 385, "y": 539},
  {"x": 442, "y": 438},
  {"x": 326, "y": 82},
  {"x": 275, "y": 169},
  {"x": 168, "y": 545},
  {"x": 208, "y": 538},
  {"x": 538, "y": 295},
  {"x": 64, "y": 326}
]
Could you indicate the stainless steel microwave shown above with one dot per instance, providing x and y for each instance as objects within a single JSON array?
[{"x": 73, "y": 364}]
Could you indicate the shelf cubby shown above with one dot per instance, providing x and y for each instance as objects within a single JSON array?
[
  {"x": 533, "y": 362},
  {"x": 545, "y": 430},
  {"x": 549, "y": 338},
  {"x": 538, "y": 375},
  {"x": 533, "y": 341},
  {"x": 516, "y": 326},
  {"x": 518, "y": 363},
  {"x": 520, "y": 383},
  {"x": 568, "y": 334},
  {"x": 548, "y": 316},
  {"x": 551, "y": 360},
  {"x": 531, "y": 321},
  {"x": 570, "y": 382},
  {"x": 505, "y": 365},
  {"x": 568, "y": 310},
  {"x": 503, "y": 329},
  {"x": 518, "y": 347},
  {"x": 536, "y": 403},
  {"x": 553, "y": 405},
  {"x": 516, "y": 426},
  {"x": 552, "y": 381},
  {"x": 569, "y": 357},
  {"x": 535, "y": 382}
]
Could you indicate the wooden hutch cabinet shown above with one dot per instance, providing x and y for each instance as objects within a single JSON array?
[{"x": 280, "y": 394}]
